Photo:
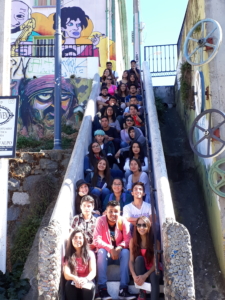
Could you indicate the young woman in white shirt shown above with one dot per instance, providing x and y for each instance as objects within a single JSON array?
[
  {"x": 135, "y": 152},
  {"x": 138, "y": 176}
]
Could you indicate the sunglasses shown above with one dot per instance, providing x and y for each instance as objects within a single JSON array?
[
  {"x": 141, "y": 225},
  {"x": 95, "y": 146},
  {"x": 109, "y": 78},
  {"x": 129, "y": 120}
]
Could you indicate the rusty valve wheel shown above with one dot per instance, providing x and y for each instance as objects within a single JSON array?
[{"x": 201, "y": 142}]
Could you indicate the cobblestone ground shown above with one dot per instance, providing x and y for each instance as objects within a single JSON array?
[{"x": 190, "y": 207}]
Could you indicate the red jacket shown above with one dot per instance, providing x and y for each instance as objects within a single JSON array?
[{"x": 102, "y": 238}]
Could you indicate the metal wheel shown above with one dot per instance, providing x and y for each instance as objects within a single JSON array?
[
  {"x": 216, "y": 178},
  {"x": 199, "y": 92},
  {"x": 201, "y": 142},
  {"x": 197, "y": 39}
]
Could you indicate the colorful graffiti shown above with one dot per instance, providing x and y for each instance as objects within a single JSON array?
[
  {"x": 78, "y": 31},
  {"x": 37, "y": 99},
  {"x": 83, "y": 26}
]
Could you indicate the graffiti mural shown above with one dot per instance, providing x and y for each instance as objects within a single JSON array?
[
  {"x": 85, "y": 50},
  {"x": 83, "y": 30}
]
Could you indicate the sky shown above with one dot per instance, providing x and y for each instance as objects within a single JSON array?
[{"x": 163, "y": 20}]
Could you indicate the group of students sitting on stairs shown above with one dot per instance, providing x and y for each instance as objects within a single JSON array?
[{"x": 113, "y": 217}]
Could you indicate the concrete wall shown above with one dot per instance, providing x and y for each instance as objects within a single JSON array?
[{"x": 214, "y": 78}]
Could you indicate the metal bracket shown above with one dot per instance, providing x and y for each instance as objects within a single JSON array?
[{"x": 207, "y": 94}]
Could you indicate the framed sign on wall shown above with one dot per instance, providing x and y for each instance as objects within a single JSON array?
[{"x": 8, "y": 125}]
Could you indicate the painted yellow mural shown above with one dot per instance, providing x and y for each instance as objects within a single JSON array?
[{"x": 78, "y": 36}]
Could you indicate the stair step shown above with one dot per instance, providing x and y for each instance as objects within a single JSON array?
[{"x": 113, "y": 289}]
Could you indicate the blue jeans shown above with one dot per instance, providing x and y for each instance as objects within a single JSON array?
[
  {"x": 116, "y": 173},
  {"x": 101, "y": 194},
  {"x": 103, "y": 260},
  {"x": 123, "y": 144}
]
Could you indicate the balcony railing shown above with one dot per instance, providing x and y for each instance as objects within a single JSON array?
[
  {"x": 162, "y": 59},
  {"x": 33, "y": 50}
]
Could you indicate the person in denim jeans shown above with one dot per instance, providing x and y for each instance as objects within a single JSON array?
[
  {"x": 101, "y": 179},
  {"x": 111, "y": 238}
]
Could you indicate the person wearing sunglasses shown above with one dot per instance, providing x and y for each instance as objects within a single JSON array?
[
  {"x": 138, "y": 207},
  {"x": 141, "y": 264},
  {"x": 125, "y": 138},
  {"x": 111, "y": 88}
]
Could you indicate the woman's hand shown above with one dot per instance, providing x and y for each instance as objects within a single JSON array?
[
  {"x": 83, "y": 281},
  {"x": 117, "y": 155},
  {"x": 77, "y": 282},
  {"x": 97, "y": 212},
  {"x": 140, "y": 279}
]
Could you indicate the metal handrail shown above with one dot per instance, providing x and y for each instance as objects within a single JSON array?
[{"x": 151, "y": 183}]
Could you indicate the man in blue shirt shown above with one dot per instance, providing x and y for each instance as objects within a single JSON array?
[{"x": 133, "y": 92}]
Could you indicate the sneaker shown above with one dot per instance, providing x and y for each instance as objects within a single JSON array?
[
  {"x": 97, "y": 296},
  {"x": 104, "y": 295},
  {"x": 142, "y": 295},
  {"x": 124, "y": 294}
]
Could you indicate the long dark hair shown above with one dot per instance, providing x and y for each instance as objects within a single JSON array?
[
  {"x": 106, "y": 173},
  {"x": 129, "y": 83},
  {"x": 70, "y": 256},
  {"x": 119, "y": 92},
  {"x": 138, "y": 162},
  {"x": 113, "y": 115},
  {"x": 92, "y": 158},
  {"x": 110, "y": 74},
  {"x": 141, "y": 154},
  {"x": 149, "y": 254}
]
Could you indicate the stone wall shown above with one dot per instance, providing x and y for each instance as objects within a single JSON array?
[
  {"x": 24, "y": 172},
  {"x": 178, "y": 267}
]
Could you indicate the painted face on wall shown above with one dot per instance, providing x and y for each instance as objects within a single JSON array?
[
  {"x": 40, "y": 93},
  {"x": 20, "y": 14},
  {"x": 73, "y": 28}
]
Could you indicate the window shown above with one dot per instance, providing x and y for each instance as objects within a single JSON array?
[{"x": 45, "y": 2}]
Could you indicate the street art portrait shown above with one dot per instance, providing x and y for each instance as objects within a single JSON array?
[
  {"x": 22, "y": 26},
  {"x": 32, "y": 75},
  {"x": 73, "y": 22}
]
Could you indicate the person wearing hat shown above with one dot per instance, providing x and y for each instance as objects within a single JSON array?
[
  {"x": 109, "y": 151},
  {"x": 82, "y": 189},
  {"x": 107, "y": 146}
]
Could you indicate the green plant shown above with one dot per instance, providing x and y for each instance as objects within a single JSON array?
[
  {"x": 45, "y": 192},
  {"x": 35, "y": 146},
  {"x": 27, "y": 142},
  {"x": 11, "y": 286},
  {"x": 160, "y": 107},
  {"x": 68, "y": 129},
  {"x": 185, "y": 84}
]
